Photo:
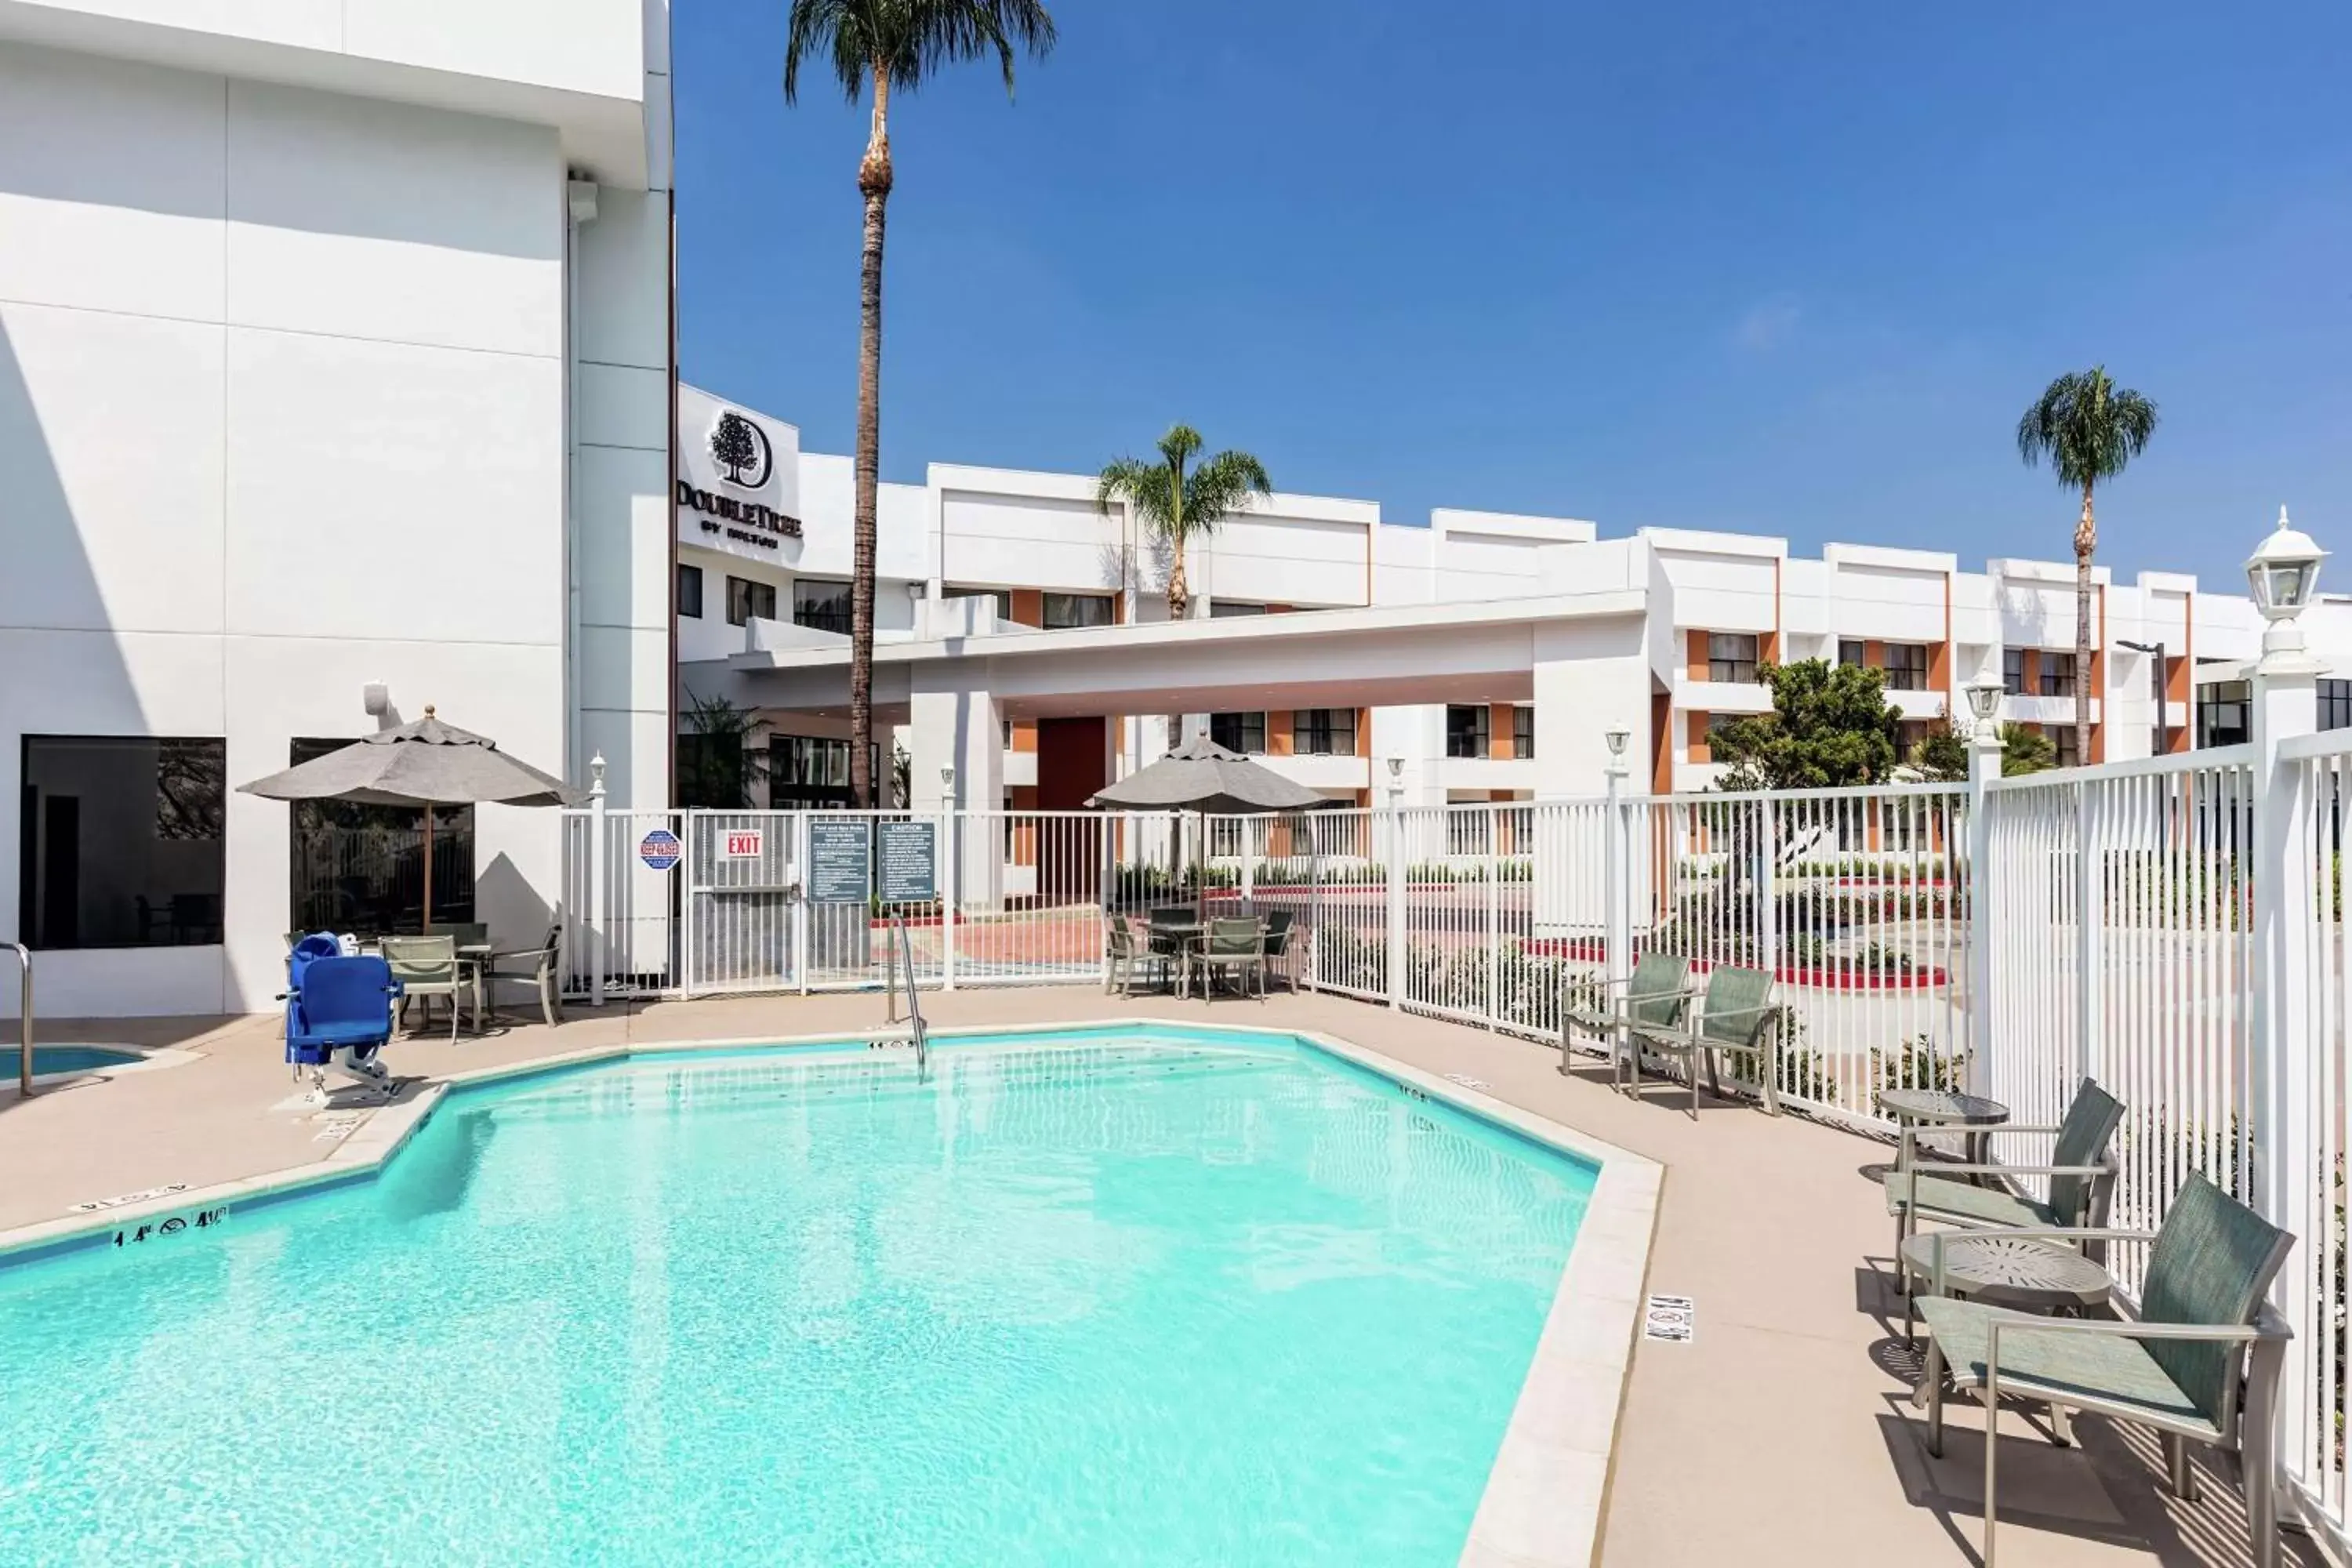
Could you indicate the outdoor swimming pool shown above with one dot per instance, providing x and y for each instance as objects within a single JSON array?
[
  {"x": 1141, "y": 1298},
  {"x": 64, "y": 1058}
]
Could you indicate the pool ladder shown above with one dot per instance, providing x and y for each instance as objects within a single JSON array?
[
  {"x": 25, "y": 1027},
  {"x": 897, "y": 962}
]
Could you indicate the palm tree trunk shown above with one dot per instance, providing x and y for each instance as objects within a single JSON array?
[
  {"x": 874, "y": 183},
  {"x": 1179, "y": 597},
  {"x": 2086, "y": 541}
]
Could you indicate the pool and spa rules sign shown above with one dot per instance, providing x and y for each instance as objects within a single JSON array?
[
  {"x": 910, "y": 861},
  {"x": 841, "y": 861}
]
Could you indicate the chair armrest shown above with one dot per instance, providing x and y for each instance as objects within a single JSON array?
[
  {"x": 2009, "y": 1127},
  {"x": 1941, "y": 1169},
  {"x": 2051, "y": 1232}
]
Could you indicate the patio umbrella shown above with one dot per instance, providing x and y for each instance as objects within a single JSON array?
[
  {"x": 426, "y": 763},
  {"x": 1202, "y": 775}
]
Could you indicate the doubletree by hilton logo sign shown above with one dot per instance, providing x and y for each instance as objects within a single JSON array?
[{"x": 745, "y": 459}]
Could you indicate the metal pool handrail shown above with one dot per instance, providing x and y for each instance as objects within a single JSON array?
[
  {"x": 24, "y": 1030},
  {"x": 899, "y": 959}
]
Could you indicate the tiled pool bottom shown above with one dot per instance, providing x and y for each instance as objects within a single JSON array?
[{"x": 1155, "y": 1298}]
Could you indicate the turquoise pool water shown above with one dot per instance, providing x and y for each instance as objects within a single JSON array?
[
  {"x": 1143, "y": 1299},
  {"x": 62, "y": 1058}
]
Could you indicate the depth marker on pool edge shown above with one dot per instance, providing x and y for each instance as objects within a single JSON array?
[{"x": 1670, "y": 1318}]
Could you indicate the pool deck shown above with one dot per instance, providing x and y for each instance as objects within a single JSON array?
[{"x": 1781, "y": 1433}]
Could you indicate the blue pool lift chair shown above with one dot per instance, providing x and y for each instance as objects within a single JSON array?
[{"x": 337, "y": 1015}]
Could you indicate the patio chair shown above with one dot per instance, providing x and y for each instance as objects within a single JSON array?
[
  {"x": 1238, "y": 945},
  {"x": 1127, "y": 950},
  {"x": 1734, "y": 1008},
  {"x": 2081, "y": 1173},
  {"x": 426, "y": 967},
  {"x": 541, "y": 966},
  {"x": 1279, "y": 924},
  {"x": 1655, "y": 995},
  {"x": 1738, "y": 1019},
  {"x": 2203, "y": 1325}
]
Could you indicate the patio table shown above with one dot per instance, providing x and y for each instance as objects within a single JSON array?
[
  {"x": 1973, "y": 1114},
  {"x": 2005, "y": 1271}
]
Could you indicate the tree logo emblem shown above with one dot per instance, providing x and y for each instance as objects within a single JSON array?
[{"x": 741, "y": 449}]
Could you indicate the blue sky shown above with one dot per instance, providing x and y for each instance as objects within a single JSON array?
[{"x": 1793, "y": 269}]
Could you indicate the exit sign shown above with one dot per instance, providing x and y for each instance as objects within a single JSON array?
[{"x": 743, "y": 843}]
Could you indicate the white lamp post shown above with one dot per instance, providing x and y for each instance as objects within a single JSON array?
[
  {"x": 2283, "y": 573},
  {"x": 947, "y": 785}
]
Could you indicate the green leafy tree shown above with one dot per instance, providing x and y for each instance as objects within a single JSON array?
[
  {"x": 890, "y": 44},
  {"x": 2088, "y": 429},
  {"x": 1829, "y": 726},
  {"x": 722, "y": 759},
  {"x": 1176, "y": 500},
  {"x": 1941, "y": 756},
  {"x": 2025, "y": 750}
]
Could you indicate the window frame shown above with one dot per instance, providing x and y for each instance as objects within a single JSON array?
[
  {"x": 195, "y": 914},
  {"x": 1480, "y": 731},
  {"x": 1726, "y": 660},
  {"x": 1046, "y": 602},
  {"x": 1313, "y": 737},
  {"x": 805, "y": 613},
  {"x": 744, "y": 594},
  {"x": 1523, "y": 732},
  {"x": 1911, "y": 673},
  {"x": 689, "y": 591},
  {"x": 2012, "y": 671},
  {"x": 1240, "y": 724}
]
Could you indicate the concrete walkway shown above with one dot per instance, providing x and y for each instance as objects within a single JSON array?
[{"x": 1782, "y": 1434}]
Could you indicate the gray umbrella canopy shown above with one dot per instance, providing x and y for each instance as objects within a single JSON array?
[
  {"x": 1202, "y": 775},
  {"x": 425, "y": 763}
]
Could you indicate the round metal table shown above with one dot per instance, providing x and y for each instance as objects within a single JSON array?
[
  {"x": 2005, "y": 1271},
  {"x": 1944, "y": 1108}
]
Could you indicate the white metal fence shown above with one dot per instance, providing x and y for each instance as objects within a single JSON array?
[{"x": 2173, "y": 928}]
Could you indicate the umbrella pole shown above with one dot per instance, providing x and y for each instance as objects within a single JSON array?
[{"x": 426, "y": 928}]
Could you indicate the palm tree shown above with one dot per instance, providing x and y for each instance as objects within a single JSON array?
[
  {"x": 2088, "y": 428},
  {"x": 890, "y": 44},
  {"x": 1176, "y": 503}
]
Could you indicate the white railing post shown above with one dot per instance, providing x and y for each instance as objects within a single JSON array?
[
  {"x": 2090, "y": 929},
  {"x": 798, "y": 826},
  {"x": 1616, "y": 893},
  {"x": 1984, "y": 767},
  {"x": 1395, "y": 902},
  {"x": 951, "y": 896},
  {"x": 599, "y": 850},
  {"x": 1768, "y": 908},
  {"x": 1494, "y": 918}
]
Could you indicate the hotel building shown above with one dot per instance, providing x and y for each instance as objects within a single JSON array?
[
  {"x": 1023, "y": 637},
  {"x": 335, "y": 380}
]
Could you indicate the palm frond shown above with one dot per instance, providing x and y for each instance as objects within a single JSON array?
[
  {"x": 1220, "y": 487},
  {"x": 910, "y": 39},
  {"x": 840, "y": 29},
  {"x": 1146, "y": 488},
  {"x": 2086, "y": 427}
]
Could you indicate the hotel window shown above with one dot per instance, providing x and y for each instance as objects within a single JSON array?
[
  {"x": 2225, "y": 713},
  {"x": 1523, "y": 733},
  {"x": 1220, "y": 609},
  {"x": 2335, "y": 704},
  {"x": 120, "y": 841},
  {"x": 747, "y": 599},
  {"x": 1323, "y": 731},
  {"x": 810, "y": 771},
  {"x": 1243, "y": 733},
  {"x": 689, "y": 591},
  {"x": 1064, "y": 611},
  {"x": 1465, "y": 730},
  {"x": 2057, "y": 675},
  {"x": 1731, "y": 656},
  {"x": 2012, "y": 671},
  {"x": 2062, "y": 736},
  {"x": 821, "y": 602},
  {"x": 1850, "y": 650},
  {"x": 1907, "y": 666}
]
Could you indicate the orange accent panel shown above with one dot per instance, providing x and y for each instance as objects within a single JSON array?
[
  {"x": 1363, "y": 731},
  {"x": 1768, "y": 643},
  {"x": 1028, "y": 607},
  {"x": 1662, "y": 751},
  {"x": 1694, "y": 654},
  {"x": 1873, "y": 654},
  {"x": 1695, "y": 738},
  {"x": 1279, "y": 732},
  {"x": 1025, "y": 737},
  {"x": 1498, "y": 730}
]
